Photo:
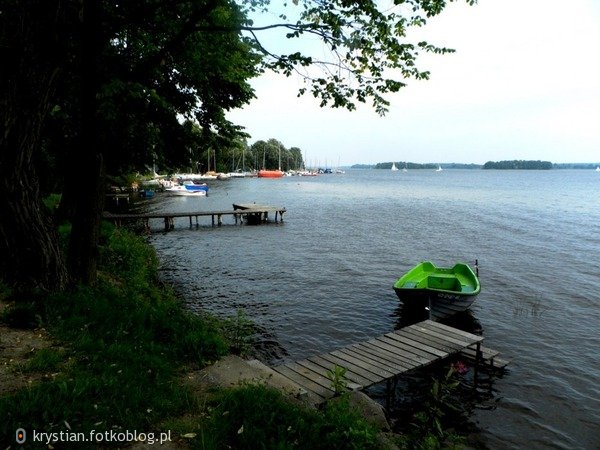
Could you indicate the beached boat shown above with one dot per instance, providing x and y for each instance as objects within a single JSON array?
[
  {"x": 444, "y": 291},
  {"x": 188, "y": 188}
]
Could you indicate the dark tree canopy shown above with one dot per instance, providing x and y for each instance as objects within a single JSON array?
[
  {"x": 518, "y": 165},
  {"x": 110, "y": 87}
]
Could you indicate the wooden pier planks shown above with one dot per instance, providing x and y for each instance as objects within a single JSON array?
[
  {"x": 258, "y": 213},
  {"x": 253, "y": 213},
  {"x": 382, "y": 358}
]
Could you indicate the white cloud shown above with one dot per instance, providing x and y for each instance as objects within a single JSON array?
[{"x": 524, "y": 83}]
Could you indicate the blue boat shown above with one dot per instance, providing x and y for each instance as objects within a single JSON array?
[{"x": 189, "y": 188}]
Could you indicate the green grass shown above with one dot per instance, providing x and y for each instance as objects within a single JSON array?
[
  {"x": 128, "y": 338},
  {"x": 251, "y": 416},
  {"x": 44, "y": 360}
]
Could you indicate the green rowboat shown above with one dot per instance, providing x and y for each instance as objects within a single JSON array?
[{"x": 444, "y": 291}]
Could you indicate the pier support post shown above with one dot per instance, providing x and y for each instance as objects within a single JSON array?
[{"x": 478, "y": 360}]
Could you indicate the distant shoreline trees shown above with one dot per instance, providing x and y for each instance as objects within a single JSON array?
[
  {"x": 499, "y": 165},
  {"x": 518, "y": 165}
]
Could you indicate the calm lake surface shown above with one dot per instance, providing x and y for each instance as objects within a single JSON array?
[{"x": 323, "y": 279}]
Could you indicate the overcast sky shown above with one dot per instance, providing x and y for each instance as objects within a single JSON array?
[{"x": 524, "y": 83}]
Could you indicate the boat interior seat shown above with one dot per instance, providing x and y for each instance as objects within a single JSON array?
[{"x": 445, "y": 282}]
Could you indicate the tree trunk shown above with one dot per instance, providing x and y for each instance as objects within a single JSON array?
[
  {"x": 30, "y": 255},
  {"x": 87, "y": 192}
]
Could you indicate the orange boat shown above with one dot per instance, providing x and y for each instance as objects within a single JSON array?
[{"x": 270, "y": 174}]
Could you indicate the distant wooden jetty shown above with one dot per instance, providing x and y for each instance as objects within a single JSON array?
[
  {"x": 251, "y": 213},
  {"x": 255, "y": 214},
  {"x": 386, "y": 357}
]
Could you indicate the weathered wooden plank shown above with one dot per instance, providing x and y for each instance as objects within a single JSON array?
[
  {"x": 433, "y": 341},
  {"x": 304, "y": 382},
  {"x": 393, "y": 347},
  {"x": 357, "y": 360},
  {"x": 384, "y": 357},
  {"x": 316, "y": 377},
  {"x": 322, "y": 371},
  {"x": 407, "y": 339},
  {"x": 461, "y": 342},
  {"x": 350, "y": 375},
  {"x": 451, "y": 331},
  {"x": 351, "y": 367},
  {"x": 260, "y": 209},
  {"x": 414, "y": 347},
  {"x": 489, "y": 357},
  {"x": 487, "y": 353},
  {"x": 499, "y": 363},
  {"x": 402, "y": 364},
  {"x": 375, "y": 360}
]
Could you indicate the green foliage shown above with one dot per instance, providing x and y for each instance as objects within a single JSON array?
[
  {"x": 370, "y": 53},
  {"x": 52, "y": 201},
  {"x": 127, "y": 340},
  {"x": 23, "y": 313},
  {"x": 131, "y": 258},
  {"x": 337, "y": 376},
  {"x": 44, "y": 360},
  {"x": 266, "y": 155},
  {"x": 238, "y": 331},
  {"x": 251, "y": 417},
  {"x": 193, "y": 59},
  {"x": 158, "y": 63},
  {"x": 518, "y": 165},
  {"x": 428, "y": 427}
]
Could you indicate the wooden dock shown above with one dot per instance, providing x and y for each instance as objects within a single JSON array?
[
  {"x": 258, "y": 213},
  {"x": 384, "y": 358},
  {"x": 249, "y": 212}
]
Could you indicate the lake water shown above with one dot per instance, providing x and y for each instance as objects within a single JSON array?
[{"x": 323, "y": 279}]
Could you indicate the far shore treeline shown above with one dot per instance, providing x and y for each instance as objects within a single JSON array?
[{"x": 496, "y": 165}]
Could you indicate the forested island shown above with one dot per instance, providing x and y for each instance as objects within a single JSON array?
[{"x": 518, "y": 165}]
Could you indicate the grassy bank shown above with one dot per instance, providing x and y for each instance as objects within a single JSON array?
[{"x": 123, "y": 347}]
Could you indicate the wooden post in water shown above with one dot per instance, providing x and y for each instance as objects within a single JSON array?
[{"x": 478, "y": 360}]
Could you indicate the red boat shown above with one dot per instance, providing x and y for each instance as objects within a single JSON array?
[{"x": 270, "y": 174}]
